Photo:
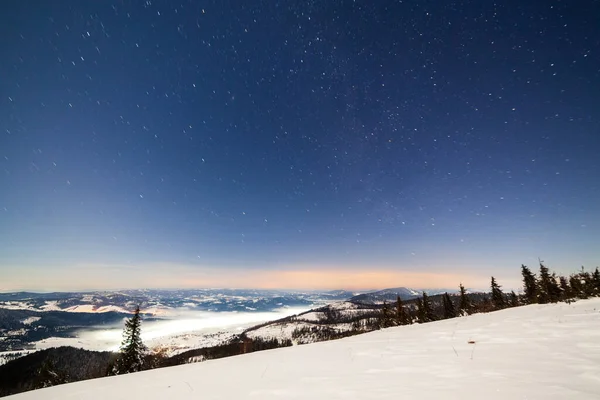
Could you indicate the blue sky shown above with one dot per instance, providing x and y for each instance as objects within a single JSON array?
[{"x": 296, "y": 144}]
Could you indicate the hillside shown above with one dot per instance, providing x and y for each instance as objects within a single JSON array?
[
  {"x": 388, "y": 295},
  {"x": 539, "y": 351},
  {"x": 37, "y": 369}
]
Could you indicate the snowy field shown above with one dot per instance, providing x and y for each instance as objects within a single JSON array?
[{"x": 533, "y": 352}]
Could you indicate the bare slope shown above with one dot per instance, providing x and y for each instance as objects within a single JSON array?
[{"x": 533, "y": 352}]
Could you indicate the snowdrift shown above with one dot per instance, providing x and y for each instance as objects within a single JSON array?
[{"x": 533, "y": 352}]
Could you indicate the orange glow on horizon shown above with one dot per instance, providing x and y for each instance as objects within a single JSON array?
[
  {"x": 173, "y": 276},
  {"x": 352, "y": 279}
]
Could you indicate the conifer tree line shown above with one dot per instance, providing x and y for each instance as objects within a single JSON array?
[{"x": 546, "y": 287}]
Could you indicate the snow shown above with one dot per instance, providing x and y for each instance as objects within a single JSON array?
[
  {"x": 343, "y": 306},
  {"x": 157, "y": 311},
  {"x": 17, "y": 305},
  {"x": 284, "y": 330},
  {"x": 30, "y": 320},
  {"x": 344, "y": 309},
  {"x": 88, "y": 298},
  {"x": 91, "y": 308},
  {"x": 173, "y": 345},
  {"x": 50, "y": 306},
  {"x": 53, "y": 305},
  {"x": 533, "y": 352},
  {"x": 51, "y": 342},
  {"x": 312, "y": 316},
  {"x": 281, "y": 331}
]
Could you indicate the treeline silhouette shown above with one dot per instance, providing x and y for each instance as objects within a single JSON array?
[
  {"x": 236, "y": 347},
  {"x": 52, "y": 367},
  {"x": 546, "y": 287}
]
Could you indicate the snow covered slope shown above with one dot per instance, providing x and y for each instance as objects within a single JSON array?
[{"x": 533, "y": 352}]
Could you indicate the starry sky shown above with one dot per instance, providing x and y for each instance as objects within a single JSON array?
[{"x": 297, "y": 144}]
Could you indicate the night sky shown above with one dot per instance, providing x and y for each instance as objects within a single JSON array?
[{"x": 299, "y": 144}]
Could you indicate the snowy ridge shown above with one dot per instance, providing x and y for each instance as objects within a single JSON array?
[
  {"x": 283, "y": 330},
  {"x": 531, "y": 352},
  {"x": 388, "y": 295},
  {"x": 92, "y": 308}
]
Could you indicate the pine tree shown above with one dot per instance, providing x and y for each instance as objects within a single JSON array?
[
  {"x": 544, "y": 285},
  {"x": 485, "y": 305},
  {"x": 427, "y": 309},
  {"x": 529, "y": 284},
  {"x": 514, "y": 299},
  {"x": 464, "y": 305},
  {"x": 402, "y": 317},
  {"x": 577, "y": 287},
  {"x": 420, "y": 311},
  {"x": 47, "y": 375},
  {"x": 386, "y": 316},
  {"x": 548, "y": 289},
  {"x": 356, "y": 325},
  {"x": 596, "y": 281},
  {"x": 424, "y": 309},
  {"x": 587, "y": 283},
  {"x": 565, "y": 289},
  {"x": 497, "y": 295},
  {"x": 555, "y": 291},
  {"x": 449, "y": 311},
  {"x": 131, "y": 358}
]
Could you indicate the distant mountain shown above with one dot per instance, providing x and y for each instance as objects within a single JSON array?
[
  {"x": 158, "y": 302},
  {"x": 338, "y": 295},
  {"x": 388, "y": 295}
]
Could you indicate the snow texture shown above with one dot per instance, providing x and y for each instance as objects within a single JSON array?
[
  {"x": 91, "y": 308},
  {"x": 279, "y": 331},
  {"x": 533, "y": 352},
  {"x": 30, "y": 320}
]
